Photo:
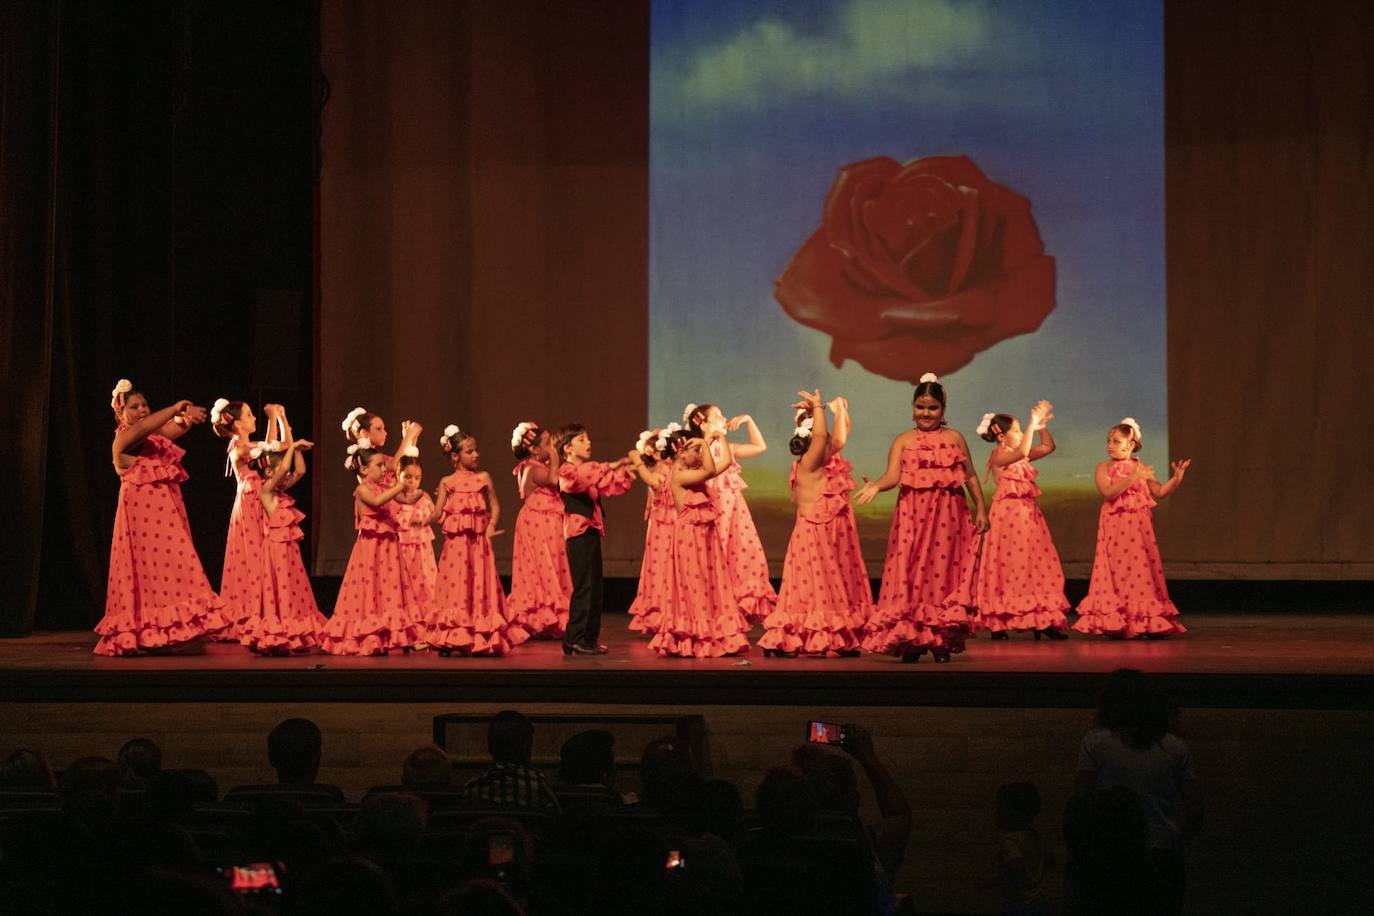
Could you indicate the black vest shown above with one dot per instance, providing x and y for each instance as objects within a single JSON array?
[{"x": 579, "y": 504}]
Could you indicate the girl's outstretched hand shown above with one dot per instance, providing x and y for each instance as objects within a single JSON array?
[
  {"x": 980, "y": 521},
  {"x": 1180, "y": 466},
  {"x": 303, "y": 445},
  {"x": 1042, "y": 412},
  {"x": 809, "y": 400},
  {"x": 866, "y": 492},
  {"x": 493, "y": 531},
  {"x": 838, "y": 403},
  {"x": 193, "y": 413},
  {"x": 735, "y": 423}
]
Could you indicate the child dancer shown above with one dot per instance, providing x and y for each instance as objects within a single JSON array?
[
  {"x": 157, "y": 594},
  {"x": 927, "y": 575},
  {"x": 701, "y": 616},
  {"x": 1127, "y": 596},
  {"x": 825, "y": 600},
  {"x": 414, "y": 513},
  {"x": 245, "y": 548},
  {"x": 367, "y": 430},
  {"x": 290, "y": 621},
  {"x": 739, "y": 537},
  {"x": 469, "y": 611},
  {"x": 582, "y": 482},
  {"x": 540, "y": 584},
  {"x": 659, "y": 513},
  {"x": 378, "y": 608},
  {"x": 1020, "y": 584}
]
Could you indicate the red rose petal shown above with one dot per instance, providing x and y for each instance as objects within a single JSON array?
[{"x": 815, "y": 291}]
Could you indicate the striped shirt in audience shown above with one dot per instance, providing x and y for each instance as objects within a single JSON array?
[{"x": 511, "y": 785}]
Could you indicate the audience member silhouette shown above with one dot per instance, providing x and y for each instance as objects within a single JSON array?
[
  {"x": 139, "y": 760},
  {"x": 1021, "y": 857},
  {"x": 512, "y": 781},
  {"x": 428, "y": 768}
]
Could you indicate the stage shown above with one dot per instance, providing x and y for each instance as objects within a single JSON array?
[{"x": 1292, "y": 661}]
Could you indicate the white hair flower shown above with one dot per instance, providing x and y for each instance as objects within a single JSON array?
[
  {"x": 351, "y": 461},
  {"x": 121, "y": 388},
  {"x": 804, "y": 428},
  {"x": 661, "y": 443},
  {"x": 411, "y": 452},
  {"x": 643, "y": 441},
  {"x": 218, "y": 408},
  {"x": 673, "y": 427},
  {"x": 364, "y": 441},
  {"x": 687, "y": 413},
  {"x": 985, "y": 424},
  {"x": 518, "y": 434},
  {"x": 1135, "y": 427},
  {"x": 930, "y": 377},
  {"x": 350, "y": 422},
  {"x": 446, "y": 440}
]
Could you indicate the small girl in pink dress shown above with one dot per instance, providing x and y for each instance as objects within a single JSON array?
[
  {"x": 701, "y": 615},
  {"x": 928, "y": 571},
  {"x": 157, "y": 594},
  {"x": 540, "y": 583},
  {"x": 739, "y": 536},
  {"x": 378, "y": 607},
  {"x": 1127, "y": 596},
  {"x": 245, "y": 548},
  {"x": 659, "y": 514},
  {"x": 414, "y": 513},
  {"x": 469, "y": 610},
  {"x": 290, "y": 621},
  {"x": 1020, "y": 584},
  {"x": 825, "y": 600}
]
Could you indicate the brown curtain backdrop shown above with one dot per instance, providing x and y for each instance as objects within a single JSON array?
[
  {"x": 483, "y": 235},
  {"x": 1269, "y": 119},
  {"x": 484, "y": 243}
]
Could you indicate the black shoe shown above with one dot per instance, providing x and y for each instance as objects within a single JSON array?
[
  {"x": 848, "y": 653},
  {"x": 578, "y": 649},
  {"x": 1051, "y": 633},
  {"x": 911, "y": 656},
  {"x": 940, "y": 656},
  {"x": 1003, "y": 634},
  {"x": 778, "y": 653},
  {"x": 600, "y": 648}
]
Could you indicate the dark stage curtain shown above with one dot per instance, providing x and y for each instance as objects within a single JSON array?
[
  {"x": 157, "y": 162},
  {"x": 484, "y": 236}
]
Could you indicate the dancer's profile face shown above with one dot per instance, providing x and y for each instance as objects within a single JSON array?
[
  {"x": 715, "y": 419},
  {"x": 927, "y": 413},
  {"x": 376, "y": 432},
  {"x": 247, "y": 423},
  {"x": 413, "y": 474},
  {"x": 1012, "y": 437},
  {"x": 691, "y": 455},
  {"x": 1119, "y": 447},
  {"x": 580, "y": 447}
]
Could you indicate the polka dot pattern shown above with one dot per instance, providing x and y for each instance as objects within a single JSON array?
[
  {"x": 157, "y": 594},
  {"x": 290, "y": 620},
  {"x": 655, "y": 569},
  {"x": 245, "y": 555},
  {"x": 1020, "y": 582},
  {"x": 469, "y": 610},
  {"x": 540, "y": 582},
  {"x": 928, "y": 570},
  {"x": 825, "y": 601},
  {"x": 743, "y": 549},
  {"x": 701, "y": 616},
  {"x": 1127, "y": 595}
]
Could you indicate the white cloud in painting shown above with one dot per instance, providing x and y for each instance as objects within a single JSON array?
[{"x": 868, "y": 47}]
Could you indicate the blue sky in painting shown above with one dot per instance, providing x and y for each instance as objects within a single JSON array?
[{"x": 755, "y": 104}]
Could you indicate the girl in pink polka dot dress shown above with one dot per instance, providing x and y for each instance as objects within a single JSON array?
[
  {"x": 701, "y": 616},
  {"x": 245, "y": 548},
  {"x": 157, "y": 594},
  {"x": 540, "y": 583},
  {"x": 928, "y": 571},
  {"x": 1127, "y": 596},
  {"x": 414, "y": 513},
  {"x": 739, "y": 537},
  {"x": 469, "y": 612},
  {"x": 825, "y": 600},
  {"x": 1020, "y": 583},
  {"x": 290, "y": 621},
  {"x": 378, "y": 608},
  {"x": 646, "y": 610}
]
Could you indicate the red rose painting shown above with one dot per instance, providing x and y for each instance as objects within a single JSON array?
[{"x": 917, "y": 267}]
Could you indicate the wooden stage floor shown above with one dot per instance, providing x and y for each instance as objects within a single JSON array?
[{"x": 1270, "y": 660}]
